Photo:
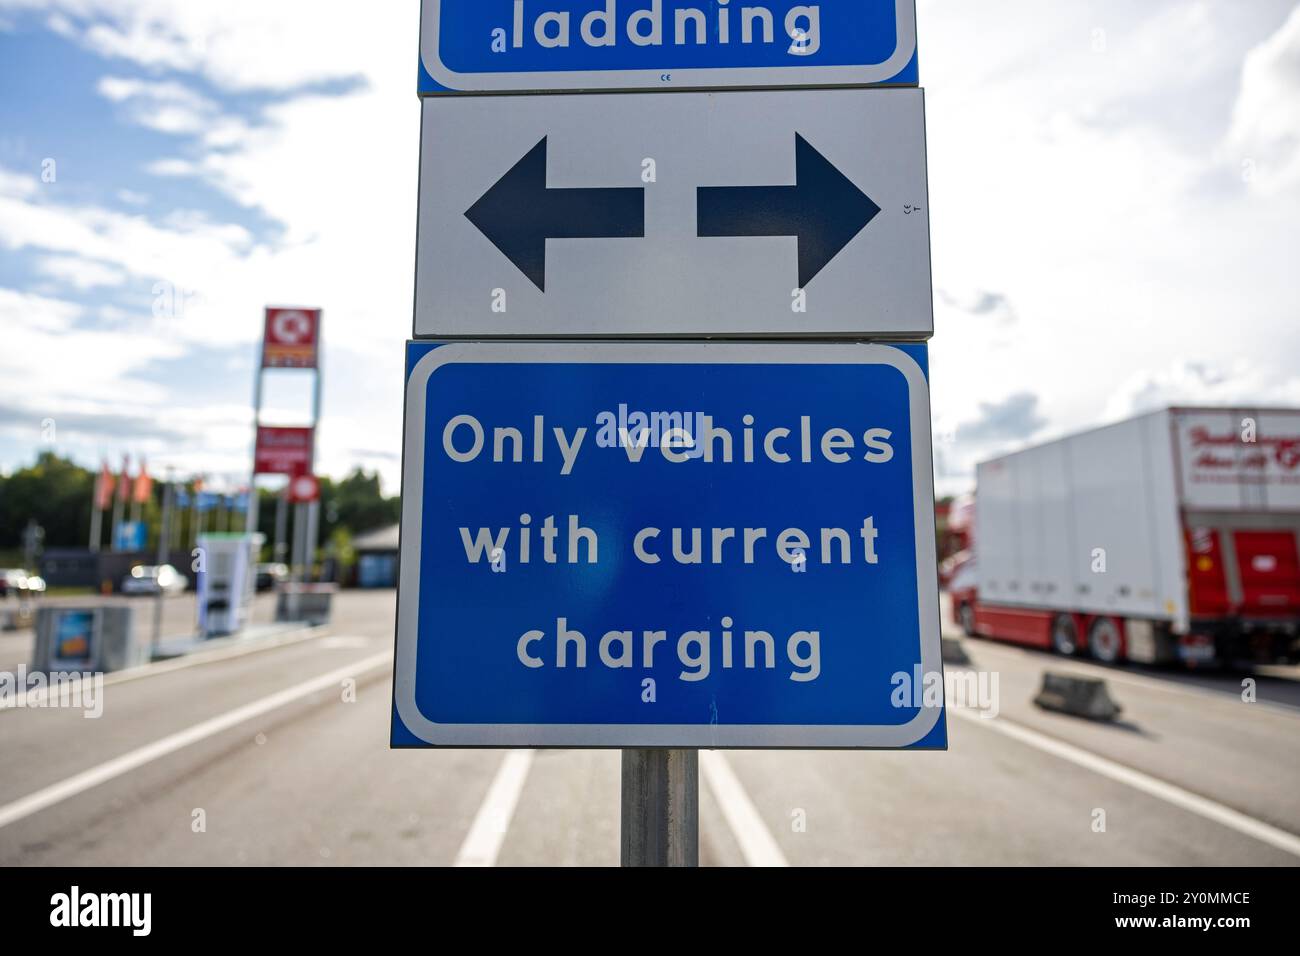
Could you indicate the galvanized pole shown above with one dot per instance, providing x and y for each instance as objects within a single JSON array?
[
  {"x": 661, "y": 808},
  {"x": 119, "y": 500},
  {"x": 313, "y": 532},
  {"x": 96, "y": 518},
  {"x": 294, "y": 601},
  {"x": 281, "y": 526},
  {"x": 250, "y": 515},
  {"x": 163, "y": 531}
]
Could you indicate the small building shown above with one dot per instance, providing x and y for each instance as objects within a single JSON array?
[{"x": 377, "y": 558}]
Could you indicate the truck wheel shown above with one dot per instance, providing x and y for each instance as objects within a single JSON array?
[
  {"x": 1065, "y": 637},
  {"x": 966, "y": 618},
  {"x": 1104, "y": 641}
]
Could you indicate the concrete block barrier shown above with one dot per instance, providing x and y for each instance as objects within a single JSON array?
[{"x": 1086, "y": 697}]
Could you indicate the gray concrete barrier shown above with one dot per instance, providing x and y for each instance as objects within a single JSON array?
[
  {"x": 88, "y": 637},
  {"x": 307, "y": 603},
  {"x": 954, "y": 651},
  {"x": 1078, "y": 696}
]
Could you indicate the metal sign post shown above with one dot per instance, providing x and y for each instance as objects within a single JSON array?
[
  {"x": 281, "y": 526},
  {"x": 296, "y": 578},
  {"x": 660, "y": 823},
  {"x": 164, "y": 532}
]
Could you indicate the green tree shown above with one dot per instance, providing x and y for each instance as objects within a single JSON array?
[
  {"x": 53, "y": 491},
  {"x": 357, "y": 504},
  {"x": 57, "y": 494}
]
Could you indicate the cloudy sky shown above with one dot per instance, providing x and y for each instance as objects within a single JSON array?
[{"x": 1115, "y": 199}]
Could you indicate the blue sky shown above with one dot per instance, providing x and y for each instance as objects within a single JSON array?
[
  {"x": 1115, "y": 192},
  {"x": 167, "y": 171}
]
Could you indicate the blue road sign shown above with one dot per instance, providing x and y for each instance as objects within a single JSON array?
[
  {"x": 667, "y": 545},
  {"x": 129, "y": 536},
  {"x": 498, "y": 46}
]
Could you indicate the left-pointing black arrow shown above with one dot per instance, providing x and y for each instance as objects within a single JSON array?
[
  {"x": 520, "y": 213},
  {"x": 824, "y": 209}
]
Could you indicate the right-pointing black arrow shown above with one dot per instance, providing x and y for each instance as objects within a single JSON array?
[
  {"x": 519, "y": 213},
  {"x": 824, "y": 209}
]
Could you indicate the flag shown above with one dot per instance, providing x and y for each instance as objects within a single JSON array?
[
  {"x": 104, "y": 488},
  {"x": 143, "y": 485},
  {"x": 124, "y": 486}
]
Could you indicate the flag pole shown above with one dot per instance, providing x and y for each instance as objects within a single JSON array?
[
  {"x": 97, "y": 510},
  {"x": 119, "y": 501}
]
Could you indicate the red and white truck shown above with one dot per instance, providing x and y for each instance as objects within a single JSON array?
[{"x": 1170, "y": 536}]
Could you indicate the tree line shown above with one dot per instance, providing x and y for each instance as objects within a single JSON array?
[{"x": 56, "y": 493}]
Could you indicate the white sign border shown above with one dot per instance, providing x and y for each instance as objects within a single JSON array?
[
  {"x": 710, "y": 736},
  {"x": 641, "y": 80}
]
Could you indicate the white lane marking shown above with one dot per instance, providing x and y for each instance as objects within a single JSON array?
[
  {"x": 1185, "y": 799},
  {"x": 757, "y": 844},
  {"x": 488, "y": 831},
  {"x": 79, "y": 783},
  {"x": 345, "y": 643}
]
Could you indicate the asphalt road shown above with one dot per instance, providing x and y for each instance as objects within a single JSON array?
[{"x": 275, "y": 757}]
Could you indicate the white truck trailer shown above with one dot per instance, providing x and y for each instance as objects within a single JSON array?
[{"x": 1170, "y": 536}]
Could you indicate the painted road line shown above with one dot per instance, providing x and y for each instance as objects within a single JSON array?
[
  {"x": 1184, "y": 799},
  {"x": 757, "y": 844},
  {"x": 79, "y": 783},
  {"x": 488, "y": 831}
]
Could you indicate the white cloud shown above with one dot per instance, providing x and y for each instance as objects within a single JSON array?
[
  {"x": 172, "y": 168},
  {"x": 166, "y": 107},
  {"x": 173, "y": 108},
  {"x": 1196, "y": 383},
  {"x": 16, "y": 185},
  {"x": 187, "y": 253},
  {"x": 24, "y": 313},
  {"x": 1090, "y": 191},
  {"x": 1265, "y": 133},
  {"x": 80, "y": 273},
  {"x": 241, "y": 45},
  {"x": 55, "y": 363}
]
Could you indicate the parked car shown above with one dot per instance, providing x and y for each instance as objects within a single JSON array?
[
  {"x": 18, "y": 582},
  {"x": 147, "y": 579},
  {"x": 270, "y": 575}
]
